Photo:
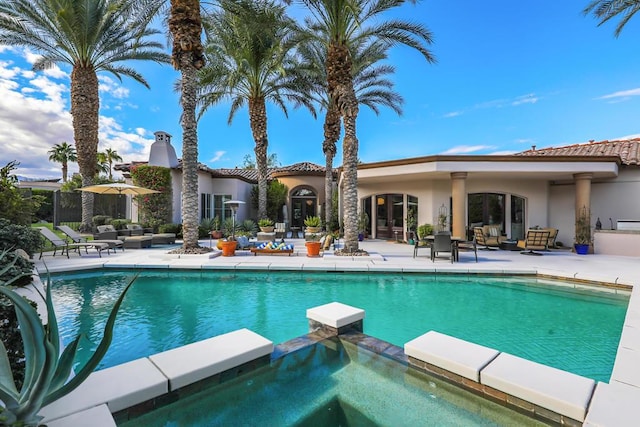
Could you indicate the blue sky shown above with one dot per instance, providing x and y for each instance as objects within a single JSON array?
[{"x": 509, "y": 75}]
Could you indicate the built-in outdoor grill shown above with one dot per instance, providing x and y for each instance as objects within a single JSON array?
[{"x": 628, "y": 224}]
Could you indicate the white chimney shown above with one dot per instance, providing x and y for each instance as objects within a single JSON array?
[{"x": 162, "y": 152}]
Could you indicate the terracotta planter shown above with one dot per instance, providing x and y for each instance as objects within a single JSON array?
[
  {"x": 267, "y": 229},
  {"x": 229, "y": 248},
  {"x": 313, "y": 229},
  {"x": 216, "y": 234},
  {"x": 313, "y": 248}
]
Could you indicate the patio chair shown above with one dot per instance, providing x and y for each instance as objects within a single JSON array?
[
  {"x": 280, "y": 229},
  {"x": 63, "y": 245},
  {"x": 77, "y": 238},
  {"x": 420, "y": 244},
  {"x": 105, "y": 232},
  {"x": 443, "y": 243},
  {"x": 480, "y": 239},
  {"x": 536, "y": 240},
  {"x": 467, "y": 246}
]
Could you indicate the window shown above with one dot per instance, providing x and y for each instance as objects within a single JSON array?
[
  {"x": 206, "y": 206},
  {"x": 219, "y": 208}
]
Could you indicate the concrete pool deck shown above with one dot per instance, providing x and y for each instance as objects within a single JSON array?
[{"x": 612, "y": 404}]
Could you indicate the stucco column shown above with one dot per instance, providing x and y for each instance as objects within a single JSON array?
[
  {"x": 458, "y": 193},
  {"x": 583, "y": 192}
]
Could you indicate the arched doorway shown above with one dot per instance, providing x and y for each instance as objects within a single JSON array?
[{"x": 304, "y": 202}]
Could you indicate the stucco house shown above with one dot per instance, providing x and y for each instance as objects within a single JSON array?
[
  {"x": 305, "y": 181},
  {"x": 537, "y": 187}
]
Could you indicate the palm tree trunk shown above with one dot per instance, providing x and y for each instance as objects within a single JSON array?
[
  {"x": 85, "y": 103},
  {"x": 65, "y": 171},
  {"x": 340, "y": 84},
  {"x": 189, "y": 156},
  {"x": 258, "y": 121},
  {"x": 185, "y": 26},
  {"x": 331, "y": 136}
]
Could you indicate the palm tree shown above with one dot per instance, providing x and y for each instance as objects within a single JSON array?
[
  {"x": 370, "y": 84},
  {"x": 111, "y": 156},
  {"x": 250, "y": 62},
  {"x": 604, "y": 10},
  {"x": 63, "y": 153},
  {"x": 344, "y": 22},
  {"x": 185, "y": 25},
  {"x": 90, "y": 36},
  {"x": 102, "y": 165}
]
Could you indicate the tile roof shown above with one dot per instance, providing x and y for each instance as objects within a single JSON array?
[{"x": 627, "y": 149}]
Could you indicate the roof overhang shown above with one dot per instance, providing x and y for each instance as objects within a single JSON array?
[{"x": 557, "y": 168}]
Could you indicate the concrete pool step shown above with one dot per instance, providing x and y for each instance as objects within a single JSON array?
[
  {"x": 541, "y": 390},
  {"x": 142, "y": 380}
]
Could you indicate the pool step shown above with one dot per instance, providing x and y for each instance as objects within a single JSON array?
[{"x": 541, "y": 390}]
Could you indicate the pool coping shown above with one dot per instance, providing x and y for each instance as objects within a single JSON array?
[{"x": 605, "y": 404}]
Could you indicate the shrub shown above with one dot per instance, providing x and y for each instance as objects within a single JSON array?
[
  {"x": 425, "y": 230},
  {"x": 15, "y": 236},
  {"x": 155, "y": 209},
  {"x": 10, "y": 336},
  {"x": 20, "y": 267},
  {"x": 119, "y": 224},
  {"x": 171, "y": 228},
  {"x": 17, "y": 207},
  {"x": 227, "y": 227},
  {"x": 101, "y": 220}
]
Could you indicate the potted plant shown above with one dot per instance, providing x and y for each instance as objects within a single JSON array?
[
  {"x": 313, "y": 245},
  {"x": 583, "y": 232},
  {"x": 266, "y": 225},
  {"x": 215, "y": 228},
  {"x": 411, "y": 225},
  {"x": 313, "y": 224},
  {"x": 228, "y": 244},
  {"x": 363, "y": 223}
]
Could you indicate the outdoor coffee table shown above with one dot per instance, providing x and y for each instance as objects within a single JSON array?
[{"x": 509, "y": 245}]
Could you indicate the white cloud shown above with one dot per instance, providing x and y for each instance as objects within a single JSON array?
[
  {"x": 525, "y": 99},
  {"x": 621, "y": 95},
  {"x": 524, "y": 141},
  {"x": 217, "y": 156},
  {"x": 503, "y": 152},
  {"x": 452, "y": 114},
  {"x": 34, "y": 115},
  {"x": 466, "y": 149},
  {"x": 112, "y": 87}
]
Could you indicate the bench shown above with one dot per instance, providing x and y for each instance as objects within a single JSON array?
[{"x": 256, "y": 251}]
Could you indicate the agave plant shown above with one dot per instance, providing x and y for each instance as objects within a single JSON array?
[{"x": 47, "y": 371}]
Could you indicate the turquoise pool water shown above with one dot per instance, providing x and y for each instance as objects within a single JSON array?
[
  {"x": 577, "y": 331},
  {"x": 333, "y": 384}
]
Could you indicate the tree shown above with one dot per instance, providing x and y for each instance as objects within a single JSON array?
[
  {"x": 604, "y": 10},
  {"x": 63, "y": 153},
  {"x": 102, "y": 165},
  {"x": 15, "y": 206},
  {"x": 251, "y": 61},
  {"x": 370, "y": 84},
  {"x": 90, "y": 36},
  {"x": 248, "y": 162},
  {"x": 185, "y": 25},
  {"x": 111, "y": 156},
  {"x": 345, "y": 22}
]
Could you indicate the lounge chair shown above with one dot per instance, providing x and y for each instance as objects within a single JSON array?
[
  {"x": 106, "y": 232},
  {"x": 65, "y": 246},
  {"x": 536, "y": 240},
  {"x": 77, "y": 238},
  {"x": 135, "y": 230},
  {"x": 442, "y": 243},
  {"x": 272, "y": 248}
]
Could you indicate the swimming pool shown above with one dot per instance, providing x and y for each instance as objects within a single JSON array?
[
  {"x": 577, "y": 331},
  {"x": 333, "y": 383}
]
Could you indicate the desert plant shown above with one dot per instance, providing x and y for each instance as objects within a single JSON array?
[
  {"x": 228, "y": 229},
  {"x": 47, "y": 371},
  {"x": 248, "y": 227},
  {"x": 215, "y": 225},
  {"x": 265, "y": 222},
  {"x": 313, "y": 221},
  {"x": 411, "y": 221}
]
